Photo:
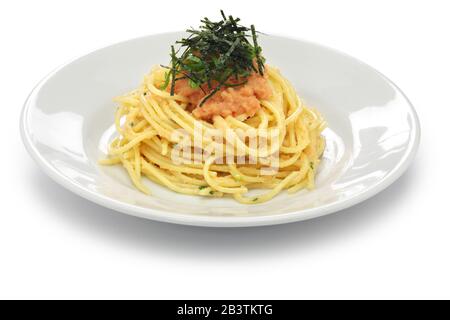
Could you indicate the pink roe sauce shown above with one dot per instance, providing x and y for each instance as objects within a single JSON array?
[{"x": 228, "y": 101}]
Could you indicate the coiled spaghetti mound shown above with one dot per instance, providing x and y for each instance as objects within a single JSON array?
[{"x": 153, "y": 126}]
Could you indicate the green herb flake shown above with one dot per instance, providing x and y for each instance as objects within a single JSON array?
[
  {"x": 211, "y": 192},
  {"x": 193, "y": 84},
  {"x": 202, "y": 187},
  {"x": 255, "y": 199},
  {"x": 166, "y": 81}
]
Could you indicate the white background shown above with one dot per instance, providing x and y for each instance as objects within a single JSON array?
[{"x": 54, "y": 244}]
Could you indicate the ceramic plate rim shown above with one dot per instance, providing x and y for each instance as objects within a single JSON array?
[{"x": 217, "y": 221}]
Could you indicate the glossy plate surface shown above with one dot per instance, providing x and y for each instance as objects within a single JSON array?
[{"x": 372, "y": 136}]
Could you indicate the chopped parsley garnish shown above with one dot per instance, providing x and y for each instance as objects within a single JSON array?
[
  {"x": 218, "y": 54},
  {"x": 202, "y": 187}
]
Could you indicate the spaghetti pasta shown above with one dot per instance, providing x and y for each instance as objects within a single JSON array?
[{"x": 153, "y": 126}]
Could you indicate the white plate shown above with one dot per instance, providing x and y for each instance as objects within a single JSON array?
[{"x": 372, "y": 137}]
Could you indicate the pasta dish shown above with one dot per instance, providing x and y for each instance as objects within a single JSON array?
[{"x": 218, "y": 121}]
